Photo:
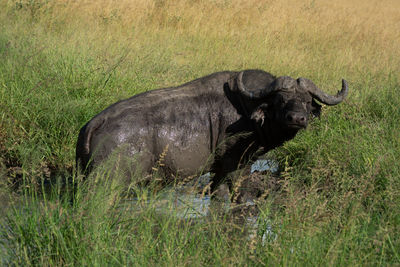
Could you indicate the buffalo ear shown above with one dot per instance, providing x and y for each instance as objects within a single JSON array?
[
  {"x": 315, "y": 108},
  {"x": 259, "y": 114}
]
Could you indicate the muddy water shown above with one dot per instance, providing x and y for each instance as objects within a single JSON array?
[{"x": 186, "y": 204}]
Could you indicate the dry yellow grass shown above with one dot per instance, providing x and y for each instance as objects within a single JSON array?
[{"x": 344, "y": 36}]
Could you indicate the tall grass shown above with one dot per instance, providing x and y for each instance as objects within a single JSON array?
[{"x": 62, "y": 62}]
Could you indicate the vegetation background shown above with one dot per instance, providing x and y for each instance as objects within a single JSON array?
[{"x": 61, "y": 62}]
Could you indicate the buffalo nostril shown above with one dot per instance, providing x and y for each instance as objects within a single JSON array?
[{"x": 289, "y": 117}]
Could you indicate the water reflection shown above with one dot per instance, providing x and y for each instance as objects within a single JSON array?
[
  {"x": 187, "y": 204},
  {"x": 261, "y": 165}
]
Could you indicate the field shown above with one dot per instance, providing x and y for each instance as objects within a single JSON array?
[{"x": 62, "y": 62}]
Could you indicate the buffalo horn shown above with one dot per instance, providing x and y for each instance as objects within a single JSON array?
[
  {"x": 322, "y": 96},
  {"x": 254, "y": 94}
]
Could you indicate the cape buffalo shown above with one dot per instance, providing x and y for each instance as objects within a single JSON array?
[{"x": 215, "y": 123}]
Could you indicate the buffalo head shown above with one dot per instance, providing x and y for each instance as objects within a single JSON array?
[{"x": 284, "y": 101}]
